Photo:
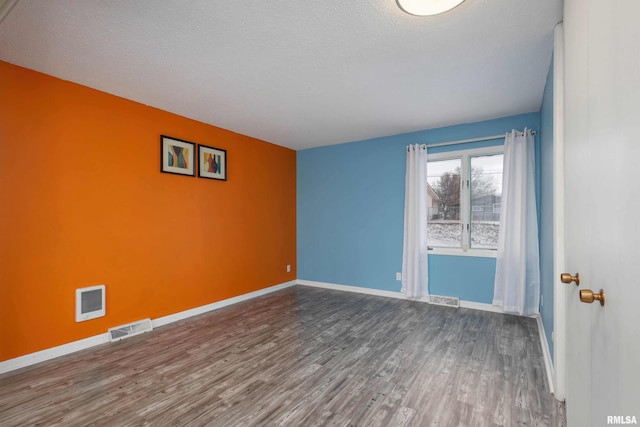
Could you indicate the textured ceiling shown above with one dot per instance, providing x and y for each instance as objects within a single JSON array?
[{"x": 297, "y": 73}]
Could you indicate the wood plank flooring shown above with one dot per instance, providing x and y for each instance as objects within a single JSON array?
[{"x": 299, "y": 357}]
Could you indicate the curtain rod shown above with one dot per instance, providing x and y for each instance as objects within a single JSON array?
[{"x": 464, "y": 141}]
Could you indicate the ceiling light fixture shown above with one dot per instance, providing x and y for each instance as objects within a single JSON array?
[{"x": 427, "y": 7}]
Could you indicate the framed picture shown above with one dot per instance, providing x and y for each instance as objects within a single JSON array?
[
  {"x": 212, "y": 162},
  {"x": 177, "y": 156}
]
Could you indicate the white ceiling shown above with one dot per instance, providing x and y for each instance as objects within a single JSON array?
[{"x": 297, "y": 73}]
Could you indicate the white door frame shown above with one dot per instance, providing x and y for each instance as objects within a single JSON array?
[{"x": 559, "y": 295}]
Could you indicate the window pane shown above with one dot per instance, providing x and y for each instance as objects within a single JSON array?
[
  {"x": 486, "y": 192},
  {"x": 443, "y": 200}
]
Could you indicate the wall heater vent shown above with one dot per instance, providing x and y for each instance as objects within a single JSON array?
[
  {"x": 90, "y": 303},
  {"x": 448, "y": 301},
  {"x": 130, "y": 330}
]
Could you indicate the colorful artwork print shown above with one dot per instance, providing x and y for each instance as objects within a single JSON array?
[
  {"x": 212, "y": 162},
  {"x": 177, "y": 156}
]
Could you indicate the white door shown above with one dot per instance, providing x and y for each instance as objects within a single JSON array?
[{"x": 602, "y": 205}]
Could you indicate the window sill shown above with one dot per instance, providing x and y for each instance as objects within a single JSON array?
[{"x": 478, "y": 253}]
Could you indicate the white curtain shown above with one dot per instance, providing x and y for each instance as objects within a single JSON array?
[
  {"x": 517, "y": 283},
  {"x": 414, "y": 254}
]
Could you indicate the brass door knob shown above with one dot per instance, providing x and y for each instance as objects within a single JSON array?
[
  {"x": 587, "y": 295},
  {"x": 567, "y": 278}
]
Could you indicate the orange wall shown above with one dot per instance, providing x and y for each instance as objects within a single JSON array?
[{"x": 83, "y": 203}]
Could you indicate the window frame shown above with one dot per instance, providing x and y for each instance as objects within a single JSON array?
[{"x": 465, "y": 199}]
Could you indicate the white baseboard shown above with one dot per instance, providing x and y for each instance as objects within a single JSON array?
[
  {"x": 165, "y": 320},
  {"x": 481, "y": 306},
  {"x": 83, "y": 344},
  {"x": 72, "y": 347},
  {"x": 52, "y": 353},
  {"x": 356, "y": 289},
  {"x": 546, "y": 354},
  {"x": 391, "y": 294}
]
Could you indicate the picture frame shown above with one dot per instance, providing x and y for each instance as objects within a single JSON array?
[
  {"x": 212, "y": 162},
  {"x": 177, "y": 156}
]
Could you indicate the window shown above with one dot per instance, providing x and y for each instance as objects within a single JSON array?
[
  {"x": 443, "y": 178},
  {"x": 464, "y": 192}
]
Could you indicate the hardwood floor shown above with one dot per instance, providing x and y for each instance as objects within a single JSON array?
[{"x": 299, "y": 357}]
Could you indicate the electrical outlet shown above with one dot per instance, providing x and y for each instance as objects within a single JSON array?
[
  {"x": 541, "y": 300},
  {"x": 288, "y": 268},
  {"x": 399, "y": 277}
]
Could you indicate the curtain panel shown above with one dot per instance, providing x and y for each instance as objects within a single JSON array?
[
  {"x": 414, "y": 255},
  {"x": 517, "y": 280}
]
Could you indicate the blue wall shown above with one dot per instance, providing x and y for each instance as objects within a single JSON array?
[
  {"x": 350, "y": 201},
  {"x": 546, "y": 208}
]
